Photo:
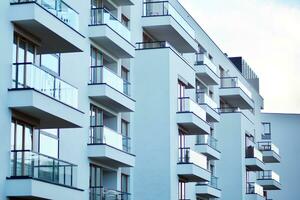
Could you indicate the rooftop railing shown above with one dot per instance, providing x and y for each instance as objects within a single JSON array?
[
  {"x": 101, "y": 16},
  {"x": 101, "y": 74},
  {"x": 268, "y": 175},
  {"x": 186, "y": 104},
  {"x": 234, "y": 82},
  {"x": 26, "y": 163},
  {"x": 254, "y": 188},
  {"x": 268, "y": 146},
  {"x": 104, "y": 135},
  {"x": 58, "y": 8},
  {"x": 186, "y": 155},
  {"x": 101, "y": 193},
  {"x": 28, "y": 75},
  {"x": 164, "y": 8}
]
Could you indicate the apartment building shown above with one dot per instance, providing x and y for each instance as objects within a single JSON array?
[
  {"x": 66, "y": 103},
  {"x": 282, "y": 129},
  {"x": 125, "y": 99}
]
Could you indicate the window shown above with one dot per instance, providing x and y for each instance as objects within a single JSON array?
[
  {"x": 125, "y": 20},
  {"x": 51, "y": 62},
  {"x": 124, "y": 183},
  {"x": 96, "y": 116},
  {"x": 181, "y": 190},
  {"x": 24, "y": 51},
  {"x": 95, "y": 181},
  {"x": 125, "y": 128},
  {"x": 49, "y": 142},
  {"x": 96, "y": 57},
  {"x": 21, "y": 135}
]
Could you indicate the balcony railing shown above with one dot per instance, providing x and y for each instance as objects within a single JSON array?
[
  {"x": 229, "y": 110},
  {"x": 268, "y": 146},
  {"x": 202, "y": 59},
  {"x": 101, "y": 75},
  {"x": 58, "y": 8},
  {"x": 252, "y": 152},
  {"x": 100, "y": 16},
  {"x": 212, "y": 183},
  {"x": 203, "y": 98},
  {"x": 207, "y": 140},
  {"x": 101, "y": 193},
  {"x": 186, "y": 104},
  {"x": 104, "y": 135},
  {"x": 25, "y": 163},
  {"x": 254, "y": 188},
  {"x": 234, "y": 82},
  {"x": 164, "y": 8},
  {"x": 28, "y": 75},
  {"x": 153, "y": 45},
  {"x": 186, "y": 155},
  {"x": 268, "y": 175}
]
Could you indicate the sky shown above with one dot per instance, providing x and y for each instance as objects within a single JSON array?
[{"x": 267, "y": 34}]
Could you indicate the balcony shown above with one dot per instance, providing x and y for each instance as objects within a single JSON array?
[
  {"x": 269, "y": 180},
  {"x": 163, "y": 21},
  {"x": 254, "y": 159},
  {"x": 208, "y": 189},
  {"x": 192, "y": 166},
  {"x": 254, "y": 191},
  {"x": 44, "y": 97},
  {"x": 270, "y": 152},
  {"x": 108, "y": 194},
  {"x": 209, "y": 105},
  {"x": 109, "y": 33},
  {"x": 110, "y": 90},
  {"x": 234, "y": 91},
  {"x": 207, "y": 145},
  {"x": 109, "y": 147},
  {"x": 192, "y": 117},
  {"x": 37, "y": 176},
  {"x": 206, "y": 70},
  {"x": 53, "y": 23}
]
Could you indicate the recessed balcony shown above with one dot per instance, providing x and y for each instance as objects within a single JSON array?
[
  {"x": 208, "y": 189},
  {"x": 254, "y": 191},
  {"x": 269, "y": 180},
  {"x": 44, "y": 97},
  {"x": 192, "y": 117},
  {"x": 207, "y": 145},
  {"x": 192, "y": 166},
  {"x": 206, "y": 70},
  {"x": 110, "y": 90},
  {"x": 36, "y": 176},
  {"x": 54, "y": 24},
  {"x": 162, "y": 20},
  {"x": 254, "y": 159},
  {"x": 209, "y": 105},
  {"x": 234, "y": 91},
  {"x": 109, "y": 147},
  {"x": 270, "y": 152},
  {"x": 109, "y": 33}
]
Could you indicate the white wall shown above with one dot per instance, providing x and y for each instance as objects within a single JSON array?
[{"x": 285, "y": 133}]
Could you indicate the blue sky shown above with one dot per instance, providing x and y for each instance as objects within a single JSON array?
[{"x": 267, "y": 34}]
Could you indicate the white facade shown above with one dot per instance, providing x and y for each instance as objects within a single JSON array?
[
  {"x": 284, "y": 134},
  {"x": 128, "y": 99}
]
